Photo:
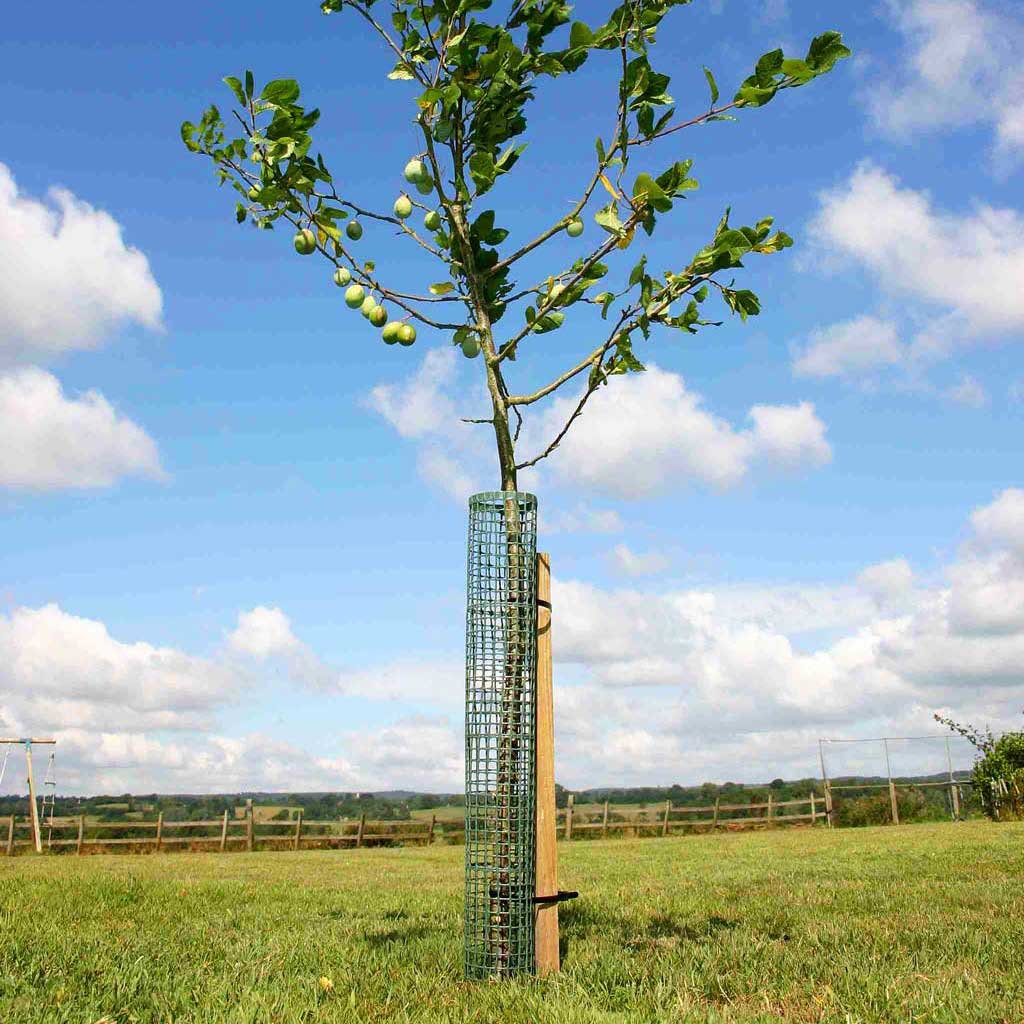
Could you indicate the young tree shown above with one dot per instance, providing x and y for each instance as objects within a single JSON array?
[{"x": 474, "y": 67}]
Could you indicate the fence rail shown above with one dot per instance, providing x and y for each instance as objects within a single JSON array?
[{"x": 227, "y": 831}]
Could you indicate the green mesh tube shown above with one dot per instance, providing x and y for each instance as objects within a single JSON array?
[{"x": 501, "y": 691}]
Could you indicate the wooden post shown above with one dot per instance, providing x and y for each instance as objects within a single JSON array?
[
  {"x": 430, "y": 834},
  {"x": 359, "y": 834},
  {"x": 568, "y": 817},
  {"x": 224, "y": 833},
  {"x": 10, "y": 836},
  {"x": 81, "y": 834},
  {"x": 829, "y": 814},
  {"x": 814, "y": 809},
  {"x": 714, "y": 820},
  {"x": 770, "y": 808},
  {"x": 664, "y": 821},
  {"x": 954, "y": 793},
  {"x": 892, "y": 785},
  {"x": 298, "y": 831},
  {"x": 159, "y": 831},
  {"x": 546, "y": 957},
  {"x": 250, "y": 831},
  {"x": 32, "y": 798},
  {"x": 604, "y": 823}
]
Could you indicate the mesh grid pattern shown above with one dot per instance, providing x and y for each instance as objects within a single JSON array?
[{"x": 501, "y": 676}]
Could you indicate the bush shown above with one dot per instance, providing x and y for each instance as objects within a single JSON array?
[{"x": 998, "y": 774}]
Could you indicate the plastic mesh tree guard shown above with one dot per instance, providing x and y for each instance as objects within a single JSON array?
[{"x": 501, "y": 677}]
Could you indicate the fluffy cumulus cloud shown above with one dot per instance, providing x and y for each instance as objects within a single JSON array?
[
  {"x": 53, "y": 441},
  {"x": 628, "y": 562},
  {"x": 961, "y": 68},
  {"x": 69, "y": 279},
  {"x": 955, "y": 272},
  {"x": 653, "y": 434},
  {"x": 653, "y": 685}
]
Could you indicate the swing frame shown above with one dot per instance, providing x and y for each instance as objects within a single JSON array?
[{"x": 28, "y": 742}]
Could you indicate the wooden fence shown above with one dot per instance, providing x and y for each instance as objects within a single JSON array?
[
  {"x": 215, "y": 834},
  {"x": 230, "y": 833},
  {"x": 664, "y": 820}
]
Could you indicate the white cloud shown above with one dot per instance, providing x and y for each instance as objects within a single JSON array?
[
  {"x": 68, "y": 278},
  {"x": 420, "y": 406},
  {"x": 1001, "y": 524},
  {"x": 968, "y": 392},
  {"x": 53, "y": 442},
  {"x": 962, "y": 69},
  {"x": 887, "y": 579},
  {"x": 449, "y": 475},
  {"x": 263, "y": 632},
  {"x": 581, "y": 519},
  {"x": 647, "y": 433},
  {"x": 630, "y": 563},
  {"x": 970, "y": 263},
  {"x": 849, "y": 347}
]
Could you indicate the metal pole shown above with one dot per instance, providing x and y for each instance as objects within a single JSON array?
[
  {"x": 825, "y": 783},
  {"x": 954, "y": 796},
  {"x": 892, "y": 786}
]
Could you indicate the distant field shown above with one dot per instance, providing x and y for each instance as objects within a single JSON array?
[{"x": 886, "y": 925}]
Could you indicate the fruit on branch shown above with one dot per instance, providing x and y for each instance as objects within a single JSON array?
[
  {"x": 354, "y": 296},
  {"x": 354, "y": 230},
  {"x": 378, "y": 316},
  {"x": 342, "y": 276},
  {"x": 406, "y": 334},
  {"x": 425, "y": 186},
  {"x": 254, "y": 193},
  {"x": 415, "y": 170},
  {"x": 367, "y": 306},
  {"x": 555, "y": 293},
  {"x": 390, "y": 332},
  {"x": 403, "y": 206},
  {"x": 470, "y": 347},
  {"x": 305, "y": 242},
  {"x": 574, "y": 228},
  {"x": 432, "y": 221}
]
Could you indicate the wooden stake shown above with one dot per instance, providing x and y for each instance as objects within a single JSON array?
[
  {"x": 250, "y": 831},
  {"x": 814, "y": 809},
  {"x": 604, "y": 824},
  {"x": 954, "y": 789},
  {"x": 769, "y": 810},
  {"x": 568, "y": 817},
  {"x": 664, "y": 823},
  {"x": 298, "y": 831},
  {"x": 81, "y": 834},
  {"x": 430, "y": 834},
  {"x": 714, "y": 821},
  {"x": 10, "y": 836},
  {"x": 224, "y": 833},
  {"x": 362, "y": 825},
  {"x": 546, "y": 915},
  {"x": 893, "y": 804},
  {"x": 32, "y": 799},
  {"x": 828, "y": 803},
  {"x": 159, "y": 831}
]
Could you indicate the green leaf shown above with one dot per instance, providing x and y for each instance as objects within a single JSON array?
[
  {"x": 250, "y": 85},
  {"x": 712, "y": 85},
  {"x": 401, "y": 73},
  {"x": 442, "y": 288},
  {"x": 188, "y": 131},
  {"x": 646, "y": 186},
  {"x": 281, "y": 92},
  {"x": 608, "y": 218},
  {"x": 548, "y": 322},
  {"x": 240, "y": 213},
  {"x": 482, "y": 171},
  {"x": 580, "y": 35},
  {"x": 236, "y": 87}
]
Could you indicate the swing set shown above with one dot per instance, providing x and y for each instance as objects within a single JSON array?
[{"x": 49, "y": 783}]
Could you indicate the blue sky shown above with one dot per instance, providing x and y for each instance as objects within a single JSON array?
[{"x": 243, "y": 565}]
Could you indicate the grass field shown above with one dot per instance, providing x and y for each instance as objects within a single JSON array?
[{"x": 917, "y": 924}]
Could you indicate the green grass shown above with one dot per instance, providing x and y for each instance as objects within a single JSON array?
[{"x": 896, "y": 925}]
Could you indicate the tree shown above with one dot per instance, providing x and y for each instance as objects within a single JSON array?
[
  {"x": 998, "y": 773},
  {"x": 474, "y": 67}
]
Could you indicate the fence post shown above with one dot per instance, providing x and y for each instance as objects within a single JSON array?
[
  {"x": 359, "y": 834},
  {"x": 81, "y": 834},
  {"x": 568, "y": 817},
  {"x": 828, "y": 804},
  {"x": 714, "y": 820},
  {"x": 10, "y": 836},
  {"x": 604, "y": 823},
  {"x": 893, "y": 804},
  {"x": 664, "y": 824},
  {"x": 159, "y": 831},
  {"x": 954, "y": 795},
  {"x": 770, "y": 809},
  {"x": 954, "y": 790},
  {"x": 250, "y": 837},
  {"x": 298, "y": 829},
  {"x": 814, "y": 809},
  {"x": 224, "y": 832},
  {"x": 430, "y": 834}
]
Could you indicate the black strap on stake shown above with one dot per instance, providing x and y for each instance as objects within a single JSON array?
[
  {"x": 541, "y": 603},
  {"x": 560, "y": 897}
]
